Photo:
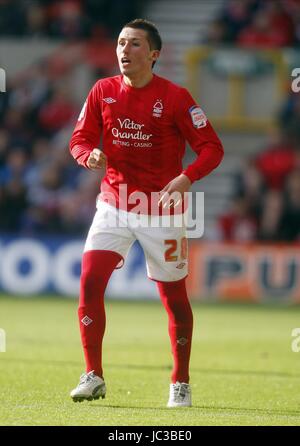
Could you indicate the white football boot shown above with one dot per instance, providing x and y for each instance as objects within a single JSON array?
[
  {"x": 180, "y": 395},
  {"x": 90, "y": 387}
]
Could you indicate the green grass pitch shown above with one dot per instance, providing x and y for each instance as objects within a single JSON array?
[{"x": 243, "y": 370}]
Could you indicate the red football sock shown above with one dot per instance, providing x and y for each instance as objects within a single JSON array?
[
  {"x": 175, "y": 300},
  {"x": 97, "y": 267}
]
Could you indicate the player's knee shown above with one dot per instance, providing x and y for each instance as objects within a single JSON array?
[
  {"x": 183, "y": 316},
  {"x": 189, "y": 317},
  {"x": 91, "y": 283}
]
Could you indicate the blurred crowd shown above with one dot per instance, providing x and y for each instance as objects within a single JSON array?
[
  {"x": 257, "y": 24},
  {"x": 43, "y": 191},
  {"x": 68, "y": 19},
  {"x": 265, "y": 205}
]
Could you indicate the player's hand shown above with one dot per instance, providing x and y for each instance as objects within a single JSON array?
[
  {"x": 177, "y": 188},
  {"x": 96, "y": 160}
]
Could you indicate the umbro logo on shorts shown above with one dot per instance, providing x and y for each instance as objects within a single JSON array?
[
  {"x": 109, "y": 100},
  {"x": 180, "y": 266},
  {"x": 86, "y": 320}
]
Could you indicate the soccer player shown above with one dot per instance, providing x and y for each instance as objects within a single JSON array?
[{"x": 144, "y": 121}]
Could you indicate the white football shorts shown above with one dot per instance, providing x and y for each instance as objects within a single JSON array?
[{"x": 163, "y": 239}]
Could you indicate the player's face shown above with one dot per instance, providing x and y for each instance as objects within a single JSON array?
[{"x": 134, "y": 53}]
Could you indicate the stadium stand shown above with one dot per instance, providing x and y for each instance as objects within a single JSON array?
[{"x": 41, "y": 190}]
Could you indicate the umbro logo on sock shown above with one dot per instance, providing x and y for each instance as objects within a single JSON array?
[
  {"x": 182, "y": 341},
  {"x": 86, "y": 320}
]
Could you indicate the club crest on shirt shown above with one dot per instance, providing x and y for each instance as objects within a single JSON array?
[
  {"x": 157, "y": 108},
  {"x": 198, "y": 116}
]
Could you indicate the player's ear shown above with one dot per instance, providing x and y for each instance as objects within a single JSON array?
[{"x": 154, "y": 55}]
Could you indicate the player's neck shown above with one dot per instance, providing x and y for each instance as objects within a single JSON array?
[{"x": 138, "y": 81}]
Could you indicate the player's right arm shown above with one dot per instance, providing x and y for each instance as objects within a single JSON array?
[{"x": 87, "y": 133}]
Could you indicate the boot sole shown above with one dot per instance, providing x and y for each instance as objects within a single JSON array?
[{"x": 79, "y": 399}]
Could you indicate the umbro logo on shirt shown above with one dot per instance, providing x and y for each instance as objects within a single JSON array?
[{"x": 109, "y": 100}]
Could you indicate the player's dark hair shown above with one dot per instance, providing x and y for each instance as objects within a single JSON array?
[{"x": 153, "y": 36}]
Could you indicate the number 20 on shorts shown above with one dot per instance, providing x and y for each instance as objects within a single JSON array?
[{"x": 174, "y": 251}]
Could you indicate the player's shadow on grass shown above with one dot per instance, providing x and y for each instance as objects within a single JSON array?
[
  {"x": 209, "y": 371},
  {"x": 167, "y": 367},
  {"x": 242, "y": 410},
  {"x": 238, "y": 410},
  {"x": 63, "y": 363},
  {"x": 54, "y": 362}
]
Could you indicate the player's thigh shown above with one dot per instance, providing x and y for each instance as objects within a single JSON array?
[
  {"x": 108, "y": 233},
  {"x": 166, "y": 253}
]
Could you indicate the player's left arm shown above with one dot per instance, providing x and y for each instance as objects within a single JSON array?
[{"x": 197, "y": 130}]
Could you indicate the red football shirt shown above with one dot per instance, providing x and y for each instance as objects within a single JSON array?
[{"x": 144, "y": 131}]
